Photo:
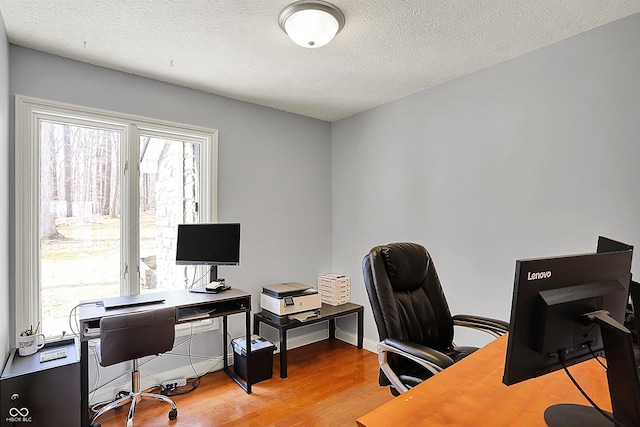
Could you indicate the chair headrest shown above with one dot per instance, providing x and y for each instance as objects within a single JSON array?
[{"x": 406, "y": 264}]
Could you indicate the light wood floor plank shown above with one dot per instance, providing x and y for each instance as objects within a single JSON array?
[{"x": 330, "y": 383}]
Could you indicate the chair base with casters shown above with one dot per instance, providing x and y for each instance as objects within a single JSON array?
[
  {"x": 135, "y": 396},
  {"x": 412, "y": 316},
  {"x": 130, "y": 337}
]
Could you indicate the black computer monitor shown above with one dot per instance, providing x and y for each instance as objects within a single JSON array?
[
  {"x": 566, "y": 310},
  {"x": 208, "y": 244}
]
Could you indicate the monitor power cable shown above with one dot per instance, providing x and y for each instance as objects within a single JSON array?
[
  {"x": 586, "y": 396},
  {"x": 595, "y": 356}
]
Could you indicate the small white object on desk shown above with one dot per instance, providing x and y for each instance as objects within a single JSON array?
[
  {"x": 47, "y": 356},
  {"x": 214, "y": 285}
]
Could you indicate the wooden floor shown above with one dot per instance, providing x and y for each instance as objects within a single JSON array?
[{"x": 330, "y": 383}]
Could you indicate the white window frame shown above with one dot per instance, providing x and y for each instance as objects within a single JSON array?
[{"x": 29, "y": 112}]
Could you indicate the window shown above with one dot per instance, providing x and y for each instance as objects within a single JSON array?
[{"x": 100, "y": 220}]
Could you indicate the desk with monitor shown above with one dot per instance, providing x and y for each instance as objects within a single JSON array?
[
  {"x": 190, "y": 306},
  {"x": 471, "y": 392},
  {"x": 565, "y": 311}
]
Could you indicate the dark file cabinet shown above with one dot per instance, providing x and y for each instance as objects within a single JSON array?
[{"x": 38, "y": 394}]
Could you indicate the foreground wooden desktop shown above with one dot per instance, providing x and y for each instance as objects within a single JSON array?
[{"x": 471, "y": 393}]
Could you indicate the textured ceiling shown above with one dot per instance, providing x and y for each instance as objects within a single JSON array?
[{"x": 388, "y": 48}]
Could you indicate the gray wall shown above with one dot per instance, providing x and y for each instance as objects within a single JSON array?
[
  {"x": 274, "y": 167},
  {"x": 533, "y": 157},
  {"x": 5, "y": 340}
]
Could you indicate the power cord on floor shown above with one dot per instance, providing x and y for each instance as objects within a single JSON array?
[{"x": 192, "y": 384}]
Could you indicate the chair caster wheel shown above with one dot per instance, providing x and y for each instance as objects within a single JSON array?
[{"x": 173, "y": 414}]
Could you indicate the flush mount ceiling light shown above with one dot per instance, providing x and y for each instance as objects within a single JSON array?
[{"x": 311, "y": 23}]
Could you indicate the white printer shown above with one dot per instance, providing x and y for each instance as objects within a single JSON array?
[{"x": 284, "y": 299}]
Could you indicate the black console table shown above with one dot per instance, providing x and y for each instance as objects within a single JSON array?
[{"x": 327, "y": 313}]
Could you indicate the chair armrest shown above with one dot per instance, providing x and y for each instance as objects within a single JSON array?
[
  {"x": 421, "y": 352},
  {"x": 432, "y": 360},
  {"x": 494, "y": 327}
]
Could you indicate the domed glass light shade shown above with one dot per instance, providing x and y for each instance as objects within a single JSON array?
[{"x": 311, "y": 23}]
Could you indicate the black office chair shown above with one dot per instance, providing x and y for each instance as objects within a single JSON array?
[
  {"x": 413, "y": 319},
  {"x": 130, "y": 337}
]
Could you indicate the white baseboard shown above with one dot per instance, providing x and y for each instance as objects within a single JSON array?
[{"x": 352, "y": 339}]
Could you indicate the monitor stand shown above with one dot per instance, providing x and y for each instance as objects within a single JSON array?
[
  {"x": 572, "y": 415},
  {"x": 622, "y": 376}
]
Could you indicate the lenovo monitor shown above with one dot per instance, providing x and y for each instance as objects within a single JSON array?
[{"x": 561, "y": 308}]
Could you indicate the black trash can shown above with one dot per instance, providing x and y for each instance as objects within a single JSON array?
[{"x": 261, "y": 364}]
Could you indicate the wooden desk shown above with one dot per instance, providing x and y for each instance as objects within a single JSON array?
[
  {"x": 186, "y": 303},
  {"x": 471, "y": 393},
  {"x": 327, "y": 313}
]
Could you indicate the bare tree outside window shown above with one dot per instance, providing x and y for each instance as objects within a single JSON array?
[
  {"x": 80, "y": 215},
  {"x": 79, "y": 238}
]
